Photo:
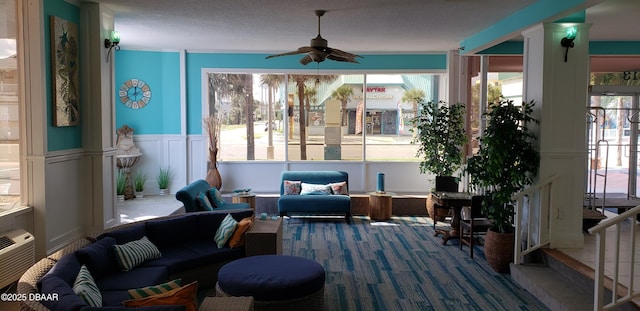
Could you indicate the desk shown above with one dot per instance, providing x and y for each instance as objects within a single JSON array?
[{"x": 455, "y": 201}]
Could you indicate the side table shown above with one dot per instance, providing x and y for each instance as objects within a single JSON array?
[
  {"x": 264, "y": 237},
  {"x": 380, "y": 205},
  {"x": 249, "y": 198}
]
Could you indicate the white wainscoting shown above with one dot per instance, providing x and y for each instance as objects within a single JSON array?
[
  {"x": 162, "y": 151},
  {"x": 65, "y": 209}
]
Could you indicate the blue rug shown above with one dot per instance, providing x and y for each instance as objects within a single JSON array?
[{"x": 400, "y": 265}]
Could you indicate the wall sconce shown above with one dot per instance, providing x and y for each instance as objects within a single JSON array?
[
  {"x": 567, "y": 41},
  {"x": 112, "y": 42}
]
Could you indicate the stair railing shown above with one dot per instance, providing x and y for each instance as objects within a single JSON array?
[
  {"x": 620, "y": 293},
  {"x": 540, "y": 221}
]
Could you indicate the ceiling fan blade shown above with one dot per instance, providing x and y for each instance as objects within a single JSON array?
[
  {"x": 301, "y": 50},
  {"x": 306, "y": 59},
  {"x": 342, "y": 56}
]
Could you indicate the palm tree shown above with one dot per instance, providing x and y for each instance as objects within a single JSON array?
[
  {"x": 343, "y": 94},
  {"x": 272, "y": 82},
  {"x": 301, "y": 81},
  {"x": 413, "y": 96}
]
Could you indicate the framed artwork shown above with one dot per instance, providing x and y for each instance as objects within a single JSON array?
[{"x": 64, "y": 67}]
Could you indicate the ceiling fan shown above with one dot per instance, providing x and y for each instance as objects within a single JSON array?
[{"x": 318, "y": 50}]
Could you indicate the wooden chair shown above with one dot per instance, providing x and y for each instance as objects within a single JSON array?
[
  {"x": 476, "y": 224},
  {"x": 446, "y": 184}
]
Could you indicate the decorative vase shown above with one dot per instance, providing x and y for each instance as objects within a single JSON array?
[
  {"x": 139, "y": 194},
  {"x": 498, "y": 249},
  {"x": 213, "y": 177},
  {"x": 164, "y": 191},
  {"x": 120, "y": 197}
]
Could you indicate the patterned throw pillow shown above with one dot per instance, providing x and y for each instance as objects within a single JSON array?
[
  {"x": 183, "y": 296},
  {"x": 216, "y": 197},
  {"x": 226, "y": 229},
  {"x": 315, "y": 189},
  {"x": 292, "y": 187},
  {"x": 339, "y": 188},
  {"x": 237, "y": 239},
  {"x": 204, "y": 202},
  {"x": 85, "y": 287},
  {"x": 130, "y": 255},
  {"x": 144, "y": 292}
]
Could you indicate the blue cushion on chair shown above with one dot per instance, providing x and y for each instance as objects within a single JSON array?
[
  {"x": 216, "y": 197},
  {"x": 204, "y": 201}
]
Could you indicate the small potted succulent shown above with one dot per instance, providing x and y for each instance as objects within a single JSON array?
[
  {"x": 139, "y": 179},
  {"x": 163, "y": 180},
  {"x": 121, "y": 185}
]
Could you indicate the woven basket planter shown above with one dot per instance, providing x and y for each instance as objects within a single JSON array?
[{"x": 498, "y": 249}]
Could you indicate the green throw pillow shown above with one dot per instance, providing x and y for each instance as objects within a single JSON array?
[
  {"x": 144, "y": 292},
  {"x": 216, "y": 197},
  {"x": 85, "y": 287},
  {"x": 204, "y": 201},
  {"x": 225, "y": 231},
  {"x": 130, "y": 255}
]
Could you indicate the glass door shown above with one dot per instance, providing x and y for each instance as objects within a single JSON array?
[{"x": 613, "y": 145}]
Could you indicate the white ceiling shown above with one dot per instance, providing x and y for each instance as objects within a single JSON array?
[{"x": 358, "y": 26}]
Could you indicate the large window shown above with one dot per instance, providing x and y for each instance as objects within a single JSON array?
[
  {"x": 298, "y": 117},
  {"x": 9, "y": 112}
]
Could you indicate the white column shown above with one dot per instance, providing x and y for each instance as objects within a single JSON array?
[
  {"x": 560, "y": 91},
  {"x": 98, "y": 113}
]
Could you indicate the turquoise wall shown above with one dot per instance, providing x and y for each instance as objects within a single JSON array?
[
  {"x": 69, "y": 137},
  {"x": 161, "y": 71}
]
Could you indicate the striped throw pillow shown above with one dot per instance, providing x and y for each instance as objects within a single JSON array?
[
  {"x": 130, "y": 255},
  {"x": 85, "y": 287},
  {"x": 144, "y": 292},
  {"x": 226, "y": 229}
]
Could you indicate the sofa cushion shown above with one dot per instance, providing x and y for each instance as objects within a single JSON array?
[
  {"x": 185, "y": 296},
  {"x": 339, "y": 188},
  {"x": 171, "y": 232},
  {"x": 226, "y": 229},
  {"x": 237, "y": 239},
  {"x": 147, "y": 291},
  {"x": 85, "y": 287},
  {"x": 216, "y": 197},
  {"x": 314, "y": 204},
  {"x": 205, "y": 203},
  {"x": 99, "y": 257},
  {"x": 314, "y": 177},
  {"x": 67, "y": 299},
  {"x": 194, "y": 254},
  {"x": 315, "y": 189},
  {"x": 136, "y": 278},
  {"x": 131, "y": 254},
  {"x": 208, "y": 222},
  {"x": 129, "y": 233},
  {"x": 292, "y": 187}
]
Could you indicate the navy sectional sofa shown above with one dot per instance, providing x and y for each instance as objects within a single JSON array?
[
  {"x": 186, "y": 243},
  {"x": 314, "y": 203}
]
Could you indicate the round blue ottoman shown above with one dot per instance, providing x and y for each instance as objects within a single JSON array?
[{"x": 276, "y": 282}]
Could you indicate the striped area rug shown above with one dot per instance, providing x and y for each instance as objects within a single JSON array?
[{"x": 400, "y": 265}]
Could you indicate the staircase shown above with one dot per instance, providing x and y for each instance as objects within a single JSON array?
[{"x": 561, "y": 282}]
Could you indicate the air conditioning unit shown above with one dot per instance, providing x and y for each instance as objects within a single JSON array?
[{"x": 17, "y": 254}]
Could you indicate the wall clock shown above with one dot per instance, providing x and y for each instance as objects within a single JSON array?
[{"x": 135, "y": 93}]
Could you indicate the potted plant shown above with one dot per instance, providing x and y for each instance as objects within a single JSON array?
[
  {"x": 440, "y": 132},
  {"x": 121, "y": 184},
  {"x": 163, "y": 180},
  {"x": 505, "y": 164},
  {"x": 139, "y": 178}
]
